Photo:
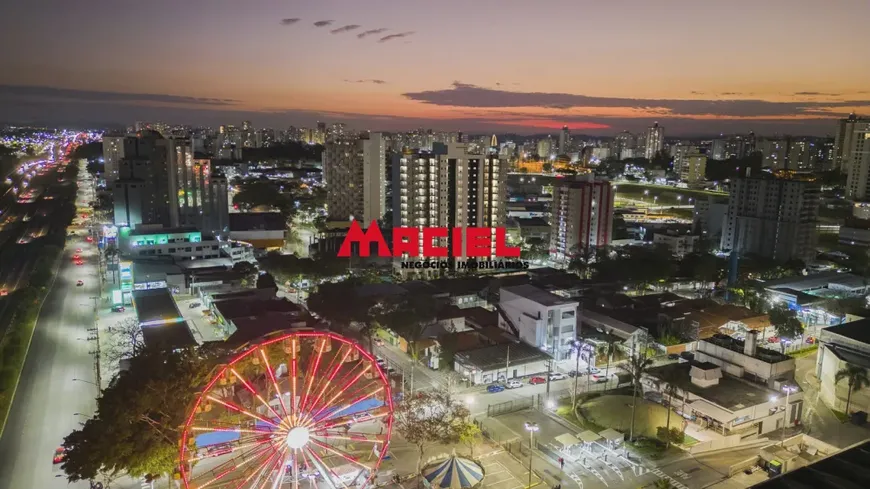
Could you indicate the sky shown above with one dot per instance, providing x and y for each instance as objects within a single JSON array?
[{"x": 597, "y": 66}]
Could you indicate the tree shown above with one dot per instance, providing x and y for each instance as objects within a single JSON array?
[
  {"x": 785, "y": 322},
  {"x": 581, "y": 260},
  {"x": 636, "y": 367},
  {"x": 410, "y": 317},
  {"x": 137, "y": 425},
  {"x": 266, "y": 281},
  {"x": 610, "y": 348},
  {"x": 340, "y": 303},
  {"x": 248, "y": 271},
  {"x": 856, "y": 378},
  {"x": 125, "y": 341},
  {"x": 428, "y": 417},
  {"x": 667, "y": 384}
]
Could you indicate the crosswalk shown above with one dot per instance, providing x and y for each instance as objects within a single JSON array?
[{"x": 674, "y": 482}]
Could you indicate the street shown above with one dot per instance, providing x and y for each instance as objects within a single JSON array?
[{"x": 49, "y": 403}]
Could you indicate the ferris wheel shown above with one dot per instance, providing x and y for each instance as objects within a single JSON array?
[{"x": 307, "y": 407}]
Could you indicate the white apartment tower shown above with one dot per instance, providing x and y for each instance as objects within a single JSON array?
[
  {"x": 354, "y": 169},
  {"x": 773, "y": 218},
  {"x": 844, "y": 141},
  {"x": 115, "y": 149},
  {"x": 582, "y": 218},
  {"x": 655, "y": 138}
]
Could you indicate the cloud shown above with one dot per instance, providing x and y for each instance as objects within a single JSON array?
[
  {"x": 290, "y": 21},
  {"x": 323, "y": 23},
  {"x": 375, "y": 81},
  {"x": 346, "y": 28},
  {"x": 727, "y": 94},
  {"x": 371, "y": 32},
  {"x": 694, "y": 92},
  {"x": 817, "y": 94},
  {"x": 468, "y": 95},
  {"x": 41, "y": 92},
  {"x": 396, "y": 36}
]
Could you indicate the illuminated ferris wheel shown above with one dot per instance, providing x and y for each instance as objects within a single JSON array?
[{"x": 303, "y": 407}]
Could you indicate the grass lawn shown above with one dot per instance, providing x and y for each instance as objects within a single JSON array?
[
  {"x": 614, "y": 411},
  {"x": 666, "y": 195},
  {"x": 804, "y": 352}
]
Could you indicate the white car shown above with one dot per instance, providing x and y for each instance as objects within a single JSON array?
[
  {"x": 558, "y": 376},
  {"x": 513, "y": 384},
  {"x": 594, "y": 370}
]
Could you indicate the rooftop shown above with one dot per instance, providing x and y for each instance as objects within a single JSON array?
[
  {"x": 847, "y": 469},
  {"x": 155, "y": 306},
  {"x": 170, "y": 336},
  {"x": 495, "y": 356},
  {"x": 257, "y": 221},
  {"x": 856, "y": 330},
  {"x": 251, "y": 307},
  {"x": 251, "y": 328},
  {"x": 764, "y": 354},
  {"x": 537, "y": 295},
  {"x": 730, "y": 393}
]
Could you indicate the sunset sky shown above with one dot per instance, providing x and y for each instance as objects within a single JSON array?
[{"x": 696, "y": 66}]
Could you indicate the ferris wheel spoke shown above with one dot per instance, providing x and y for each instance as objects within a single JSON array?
[
  {"x": 257, "y": 469},
  {"x": 341, "y": 390},
  {"x": 263, "y": 476},
  {"x": 340, "y": 453},
  {"x": 254, "y": 393},
  {"x": 348, "y": 405},
  {"x": 323, "y": 468},
  {"x": 293, "y": 374},
  {"x": 241, "y": 410},
  {"x": 344, "y": 421},
  {"x": 334, "y": 369},
  {"x": 233, "y": 450},
  {"x": 351, "y": 437},
  {"x": 273, "y": 379},
  {"x": 312, "y": 374},
  {"x": 229, "y": 467}
]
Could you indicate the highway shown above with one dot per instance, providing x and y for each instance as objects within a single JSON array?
[{"x": 49, "y": 404}]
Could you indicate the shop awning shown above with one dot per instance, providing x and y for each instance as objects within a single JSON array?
[
  {"x": 567, "y": 440},
  {"x": 611, "y": 434},
  {"x": 589, "y": 436}
]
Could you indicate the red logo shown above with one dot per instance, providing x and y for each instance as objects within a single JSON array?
[{"x": 475, "y": 242}]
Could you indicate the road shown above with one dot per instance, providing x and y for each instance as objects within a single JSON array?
[{"x": 49, "y": 404}]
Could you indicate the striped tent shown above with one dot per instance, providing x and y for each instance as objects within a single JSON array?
[{"x": 454, "y": 473}]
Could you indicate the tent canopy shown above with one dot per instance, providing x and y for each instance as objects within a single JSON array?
[
  {"x": 454, "y": 473},
  {"x": 589, "y": 436},
  {"x": 567, "y": 440},
  {"x": 611, "y": 434}
]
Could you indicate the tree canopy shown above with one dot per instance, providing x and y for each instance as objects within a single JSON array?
[
  {"x": 428, "y": 417},
  {"x": 785, "y": 322}
]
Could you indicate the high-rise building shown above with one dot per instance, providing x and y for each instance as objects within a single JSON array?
[
  {"x": 623, "y": 145},
  {"x": 198, "y": 196},
  {"x": 582, "y": 217},
  {"x": 655, "y": 139},
  {"x": 719, "y": 149},
  {"x": 680, "y": 152},
  {"x": 564, "y": 140},
  {"x": 845, "y": 140},
  {"x": 774, "y": 153},
  {"x": 355, "y": 175},
  {"x": 772, "y": 217},
  {"x": 545, "y": 147},
  {"x": 856, "y": 158},
  {"x": 116, "y": 147},
  {"x": 448, "y": 187},
  {"x": 693, "y": 168}
]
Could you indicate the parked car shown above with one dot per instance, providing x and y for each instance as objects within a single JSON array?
[
  {"x": 572, "y": 373},
  {"x": 673, "y": 356},
  {"x": 78, "y": 250},
  {"x": 363, "y": 416},
  {"x": 594, "y": 370},
  {"x": 494, "y": 388},
  {"x": 379, "y": 342},
  {"x": 558, "y": 376},
  {"x": 59, "y": 455},
  {"x": 537, "y": 380},
  {"x": 773, "y": 339},
  {"x": 80, "y": 283},
  {"x": 118, "y": 308},
  {"x": 4, "y": 292},
  {"x": 513, "y": 384},
  {"x": 194, "y": 305},
  {"x": 810, "y": 340},
  {"x": 599, "y": 379}
]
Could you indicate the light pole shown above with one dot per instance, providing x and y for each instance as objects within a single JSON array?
[
  {"x": 576, "y": 344},
  {"x": 531, "y": 428},
  {"x": 86, "y": 382},
  {"x": 788, "y": 389}
]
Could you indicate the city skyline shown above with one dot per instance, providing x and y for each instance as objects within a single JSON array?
[{"x": 476, "y": 67}]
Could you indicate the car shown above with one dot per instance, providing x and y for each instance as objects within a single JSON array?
[
  {"x": 391, "y": 370},
  {"x": 513, "y": 384},
  {"x": 773, "y": 339},
  {"x": 558, "y": 376},
  {"x": 118, "y": 308},
  {"x": 493, "y": 388},
  {"x": 59, "y": 455},
  {"x": 572, "y": 373},
  {"x": 363, "y": 416},
  {"x": 4, "y": 292},
  {"x": 194, "y": 305},
  {"x": 380, "y": 361},
  {"x": 810, "y": 340},
  {"x": 80, "y": 263},
  {"x": 537, "y": 380},
  {"x": 89, "y": 239},
  {"x": 379, "y": 342},
  {"x": 77, "y": 257},
  {"x": 673, "y": 356},
  {"x": 598, "y": 379},
  {"x": 80, "y": 283},
  {"x": 78, "y": 250},
  {"x": 594, "y": 370}
]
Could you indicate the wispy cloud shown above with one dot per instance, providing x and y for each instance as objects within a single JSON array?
[
  {"x": 396, "y": 36},
  {"x": 290, "y": 21},
  {"x": 371, "y": 32},
  {"x": 817, "y": 94},
  {"x": 323, "y": 23},
  {"x": 468, "y": 95},
  {"x": 375, "y": 81},
  {"x": 347, "y": 28},
  {"x": 35, "y": 91}
]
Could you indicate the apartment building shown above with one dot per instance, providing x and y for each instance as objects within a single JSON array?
[
  {"x": 354, "y": 169},
  {"x": 582, "y": 217},
  {"x": 539, "y": 318}
]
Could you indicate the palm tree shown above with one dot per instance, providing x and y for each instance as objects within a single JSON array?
[
  {"x": 667, "y": 384},
  {"x": 636, "y": 368},
  {"x": 856, "y": 377},
  {"x": 663, "y": 484}
]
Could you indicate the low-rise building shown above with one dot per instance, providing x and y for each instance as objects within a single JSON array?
[
  {"x": 156, "y": 241},
  {"x": 840, "y": 346},
  {"x": 160, "y": 320},
  {"x": 541, "y": 319},
  {"x": 501, "y": 362},
  {"x": 679, "y": 245},
  {"x": 262, "y": 230}
]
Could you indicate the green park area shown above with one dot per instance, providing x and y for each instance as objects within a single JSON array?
[{"x": 662, "y": 195}]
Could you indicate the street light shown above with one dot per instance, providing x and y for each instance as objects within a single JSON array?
[
  {"x": 788, "y": 389},
  {"x": 531, "y": 428}
]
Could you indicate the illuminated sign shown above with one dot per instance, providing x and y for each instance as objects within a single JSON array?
[{"x": 470, "y": 242}]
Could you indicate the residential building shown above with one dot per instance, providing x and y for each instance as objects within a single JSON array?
[
  {"x": 178, "y": 243},
  {"x": 772, "y": 217},
  {"x": 709, "y": 217},
  {"x": 539, "y": 318},
  {"x": 624, "y": 144},
  {"x": 678, "y": 244},
  {"x": 856, "y": 158},
  {"x": 564, "y": 140},
  {"x": 262, "y": 230},
  {"x": 582, "y": 217},
  {"x": 448, "y": 187},
  {"x": 841, "y": 346},
  {"x": 199, "y": 195},
  {"x": 844, "y": 141},
  {"x": 719, "y": 149},
  {"x": 774, "y": 153},
  {"x": 354, "y": 169},
  {"x": 116, "y": 147},
  {"x": 693, "y": 168},
  {"x": 655, "y": 138},
  {"x": 545, "y": 147},
  {"x": 680, "y": 152}
]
